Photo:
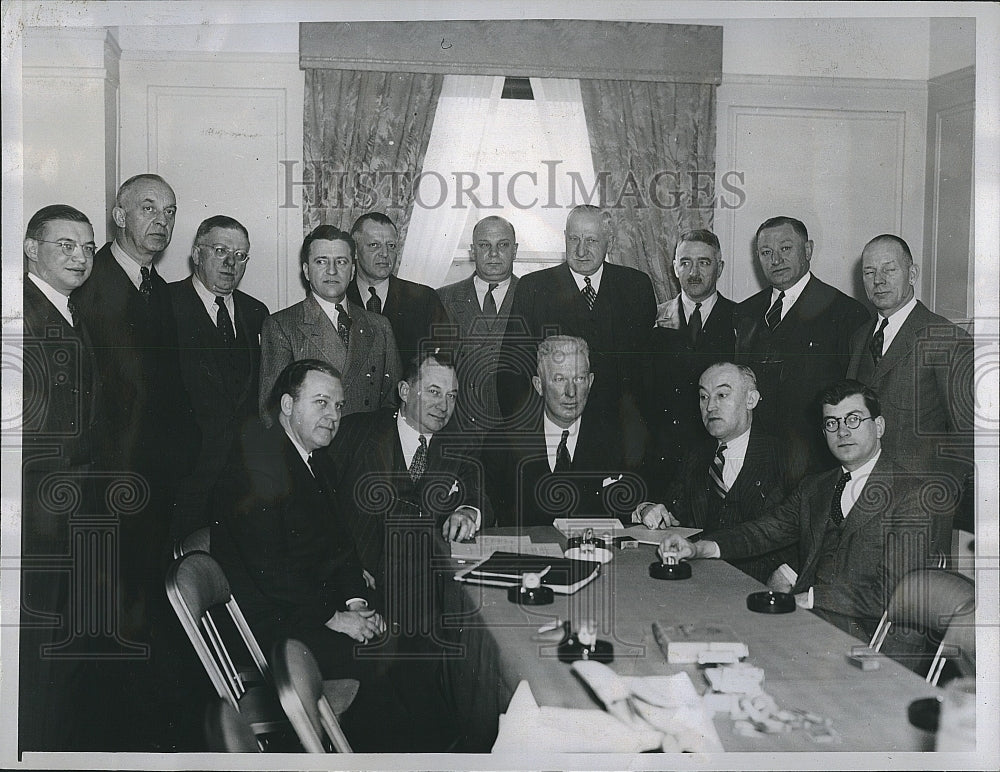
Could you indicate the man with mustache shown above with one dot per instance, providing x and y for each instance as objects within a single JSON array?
[
  {"x": 218, "y": 328},
  {"x": 571, "y": 461},
  {"x": 149, "y": 434},
  {"x": 327, "y": 325},
  {"x": 795, "y": 334},
  {"x": 692, "y": 331}
]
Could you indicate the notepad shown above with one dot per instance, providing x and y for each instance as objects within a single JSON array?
[
  {"x": 575, "y": 526},
  {"x": 505, "y": 569}
]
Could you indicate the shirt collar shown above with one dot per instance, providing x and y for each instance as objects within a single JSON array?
[
  {"x": 482, "y": 287},
  {"x": 739, "y": 444},
  {"x": 132, "y": 268},
  {"x": 865, "y": 469},
  {"x": 55, "y": 297},
  {"x": 407, "y": 434},
  {"x": 299, "y": 449},
  {"x": 595, "y": 279},
  {"x": 330, "y": 308},
  {"x": 897, "y": 317},
  {"x": 706, "y": 305},
  {"x": 792, "y": 293},
  {"x": 551, "y": 429}
]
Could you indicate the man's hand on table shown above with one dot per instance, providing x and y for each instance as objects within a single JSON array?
[
  {"x": 653, "y": 516},
  {"x": 460, "y": 525},
  {"x": 684, "y": 549}
]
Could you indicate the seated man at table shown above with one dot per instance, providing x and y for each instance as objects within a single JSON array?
[
  {"x": 732, "y": 475},
  {"x": 570, "y": 462},
  {"x": 859, "y": 526}
]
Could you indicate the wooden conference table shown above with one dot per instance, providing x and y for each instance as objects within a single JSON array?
[{"x": 803, "y": 657}]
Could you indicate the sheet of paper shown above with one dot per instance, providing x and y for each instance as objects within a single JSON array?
[
  {"x": 646, "y": 535},
  {"x": 546, "y": 549},
  {"x": 575, "y": 526},
  {"x": 486, "y": 544}
]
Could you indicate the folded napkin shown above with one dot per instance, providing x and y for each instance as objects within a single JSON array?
[{"x": 526, "y": 726}]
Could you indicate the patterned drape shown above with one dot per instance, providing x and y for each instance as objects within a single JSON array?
[
  {"x": 365, "y": 136},
  {"x": 653, "y": 146}
]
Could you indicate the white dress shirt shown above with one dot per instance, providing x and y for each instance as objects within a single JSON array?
[
  {"x": 706, "y": 306},
  {"x": 56, "y": 298},
  {"x": 553, "y": 436},
  {"x": 595, "y": 279},
  {"x": 735, "y": 455},
  {"x": 483, "y": 287},
  {"x": 791, "y": 294},
  {"x": 208, "y": 299},
  {"x": 330, "y": 309},
  {"x": 129, "y": 265},
  {"x": 895, "y": 322}
]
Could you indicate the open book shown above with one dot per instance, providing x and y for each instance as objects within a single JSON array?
[{"x": 505, "y": 569}]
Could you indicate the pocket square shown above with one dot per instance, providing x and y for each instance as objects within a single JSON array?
[
  {"x": 610, "y": 480},
  {"x": 454, "y": 488}
]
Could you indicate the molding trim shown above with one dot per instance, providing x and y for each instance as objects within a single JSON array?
[
  {"x": 812, "y": 81},
  {"x": 955, "y": 77},
  {"x": 210, "y": 57}
]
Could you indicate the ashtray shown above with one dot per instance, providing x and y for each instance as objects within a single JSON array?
[
  {"x": 771, "y": 602},
  {"x": 530, "y": 596},
  {"x": 670, "y": 568},
  {"x": 593, "y": 554},
  {"x": 572, "y": 649},
  {"x": 579, "y": 541}
]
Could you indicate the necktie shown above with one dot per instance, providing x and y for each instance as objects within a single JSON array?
[
  {"x": 343, "y": 324},
  {"x": 374, "y": 302},
  {"x": 146, "y": 285},
  {"x": 694, "y": 324},
  {"x": 836, "y": 511},
  {"x": 773, "y": 316},
  {"x": 224, "y": 321},
  {"x": 878, "y": 341},
  {"x": 589, "y": 293},
  {"x": 490, "y": 302},
  {"x": 563, "y": 461},
  {"x": 419, "y": 462},
  {"x": 715, "y": 472},
  {"x": 71, "y": 307},
  {"x": 312, "y": 465}
]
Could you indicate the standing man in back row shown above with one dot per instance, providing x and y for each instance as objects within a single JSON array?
[
  {"x": 480, "y": 306},
  {"x": 413, "y": 310},
  {"x": 795, "y": 334}
]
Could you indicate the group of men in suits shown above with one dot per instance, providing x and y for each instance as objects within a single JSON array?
[{"x": 494, "y": 400}]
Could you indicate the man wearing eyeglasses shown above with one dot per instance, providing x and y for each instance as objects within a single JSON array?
[
  {"x": 218, "y": 329},
  {"x": 859, "y": 527},
  {"x": 414, "y": 310},
  {"x": 150, "y": 438},
  {"x": 58, "y": 425}
]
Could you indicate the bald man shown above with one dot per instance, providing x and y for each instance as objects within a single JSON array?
[{"x": 479, "y": 307}]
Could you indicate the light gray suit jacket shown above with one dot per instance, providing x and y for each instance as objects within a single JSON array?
[
  {"x": 478, "y": 352},
  {"x": 370, "y": 365}
]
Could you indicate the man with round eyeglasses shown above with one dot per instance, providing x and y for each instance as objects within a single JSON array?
[
  {"x": 859, "y": 527},
  {"x": 218, "y": 329}
]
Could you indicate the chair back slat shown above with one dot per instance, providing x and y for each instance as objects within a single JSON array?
[{"x": 222, "y": 657}]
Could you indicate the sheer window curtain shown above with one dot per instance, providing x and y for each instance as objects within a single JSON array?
[{"x": 436, "y": 224}]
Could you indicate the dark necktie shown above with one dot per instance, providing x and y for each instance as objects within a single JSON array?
[
  {"x": 71, "y": 307},
  {"x": 563, "y": 461},
  {"x": 836, "y": 512},
  {"x": 490, "y": 302},
  {"x": 419, "y": 462},
  {"x": 715, "y": 472},
  {"x": 694, "y": 324},
  {"x": 773, "y": 316},
  {"x": 224, "y": 321},
  {"x": 878, "y": 342},
  {"x": 343, "y": 324},
  {"x": 589, "y": 293},
  {"x": 374, "y": 302},
  {"x": 146, "y": 285}
]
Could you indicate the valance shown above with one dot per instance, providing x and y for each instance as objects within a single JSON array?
[{"x": 547, "y": 48}]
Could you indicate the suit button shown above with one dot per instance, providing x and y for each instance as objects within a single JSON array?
[
  {"x": 366, "y": 403},
  {"x": 676, "y": 422}
]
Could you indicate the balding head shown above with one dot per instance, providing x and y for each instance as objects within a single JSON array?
[
  {"x": 494, "y": 248},
  {"x": 888, "y": 272}
]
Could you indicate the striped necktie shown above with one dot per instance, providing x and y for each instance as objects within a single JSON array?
[
  {"x": 589, "y": 293},
  {"x": 715, "y": 472},
  {"x": 877, "y": 342},
  {"x": 773, "y": 316}
]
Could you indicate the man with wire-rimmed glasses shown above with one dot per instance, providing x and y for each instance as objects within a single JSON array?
[{"x": 218, "y": 330}]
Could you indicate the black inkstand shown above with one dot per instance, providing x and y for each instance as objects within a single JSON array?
[
  {"x": 584, "y": 644},
  {"x": 531, "y": 592},
  {"x": 670, "y": 568}
]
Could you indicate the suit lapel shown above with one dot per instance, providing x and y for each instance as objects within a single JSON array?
[
  {"x": 873, "y": 498},
  {"x": 317, "y": 327},
  {"x": 903, "y": 342},
  {"x": 818, "y": 508}
]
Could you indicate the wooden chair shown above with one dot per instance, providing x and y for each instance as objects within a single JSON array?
[
  {"x": 227, "y": 730},
  {"x": 957, "y": 645},
  {"x": 196, "y": 541},
  {"x": 929, "y": 600},
  {"x": 196, "y": 584},
  {"x": 300, "y": 690}
]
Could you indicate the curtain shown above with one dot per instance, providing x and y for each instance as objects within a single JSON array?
[
  {"x": 365, "y": 136},
  {"x": 467, "y": 102},
  {"x": 653, "y": 146}
]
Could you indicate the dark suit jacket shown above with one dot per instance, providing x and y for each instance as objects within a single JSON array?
[
  {"x": 370, "y": 364},
  {"x": 148, "y": 425},
  {"x": 477, "y": 353},
  {"x": 524, "y": 491},
  {"x": 807, "y": 352},
  {"x": 670, "y": 390},
  {"x": 887, "y": 533},
  {"x": 222, "y": 383},
  {"x": 376, "y": 493},
  {"x": 924, "y": 383},
  {"x": 287, "y": 555},
  {"x": 761, "y": 484},
  {"x": 413, "y": 310}
]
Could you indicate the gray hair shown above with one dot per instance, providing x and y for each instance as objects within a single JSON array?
[{"x": 561, "y": 345}]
